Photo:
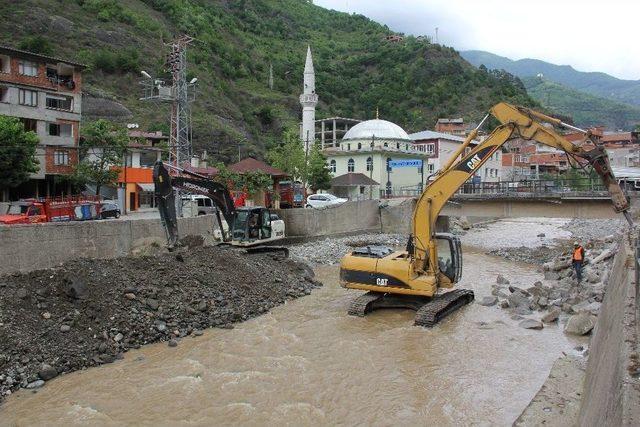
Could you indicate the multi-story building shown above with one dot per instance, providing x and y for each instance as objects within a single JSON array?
[
  {"x": 441, "y": 146},
  {"x": 452, "y": 126},
  {"x": 46, "y": 94}
]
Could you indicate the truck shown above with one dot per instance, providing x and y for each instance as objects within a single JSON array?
[
  {"x": 53, "y": 209},
  {"x": 292, "y": 194}
]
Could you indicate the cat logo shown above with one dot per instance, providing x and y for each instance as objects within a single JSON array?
[
  {"x": 473, "y": 163},
  {"x": 381, "y": 282}
]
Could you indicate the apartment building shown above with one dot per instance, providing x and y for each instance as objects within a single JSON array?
[{"x": 46, "y": 94}]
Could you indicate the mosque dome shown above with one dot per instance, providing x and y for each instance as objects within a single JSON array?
[{"x": 380, "y": 129}]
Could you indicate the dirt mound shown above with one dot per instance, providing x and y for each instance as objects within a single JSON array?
[{"x": 89, "y": 312}]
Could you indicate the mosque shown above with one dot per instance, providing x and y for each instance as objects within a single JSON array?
[{"x": 367, "y": 159}]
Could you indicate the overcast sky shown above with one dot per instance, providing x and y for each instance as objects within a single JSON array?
[{"x": 590, "y": 35}]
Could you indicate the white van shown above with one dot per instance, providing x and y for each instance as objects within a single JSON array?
[{"x": 200, "y": 205}]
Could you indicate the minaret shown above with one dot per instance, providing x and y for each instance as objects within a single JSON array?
[{"x": 308, "y": 99}]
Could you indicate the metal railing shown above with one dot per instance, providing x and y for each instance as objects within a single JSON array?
[{"x": 538, "y": 187}]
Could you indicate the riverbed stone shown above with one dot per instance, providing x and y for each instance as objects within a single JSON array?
[
  {"x": 488, "y": 301},
  {"x": 551, "y": 316},
  {"x": 518, "y": 299},
  {"x": 47, "y": 372},
  {"x": 501, "y": 280},
  {"x": 580, "y": 324},
  {"x": 531, "y": 324},
  {"x": 35, "y": 384},
  {"x": 551, "y": 275}
]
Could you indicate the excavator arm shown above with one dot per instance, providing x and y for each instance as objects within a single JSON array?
[
  {"x": 515, "y": 122},
  {"x": 193, "y": 183}
]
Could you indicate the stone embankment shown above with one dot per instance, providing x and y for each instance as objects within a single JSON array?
[{"x": 89, "y": 312}]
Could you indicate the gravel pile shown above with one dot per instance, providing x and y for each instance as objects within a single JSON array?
[
  {"x": 89, "y": 312},
  {"x": 587, "y": 229},
  {"x": 330, "y": 250}
]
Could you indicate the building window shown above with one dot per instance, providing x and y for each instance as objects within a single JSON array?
[
  {"x": 431, "y": 148},
  {"x": 4, "y": 94},
  {"x": 430, "y": 168},
  {"x": 397, "y": 145},
  {"x": 61, "y": 158},
  {"x": 59, "y": 102},
  {"x": 60, "y": 129},
  {"x": 332, "y": 166},
  {"x": 386, "y": 145},
  {"x": 406, "y": 147},
  {"x": 369, "y": 164},
  {"x": 348, "y": 147},
  {"x": 28, "y": 68},
  {"x": 5, "y": 64},
  {"x": 359, "y": 146},
  {"x": 351, "y": 165},
  {"x": 371, "y": 145},
  {"x": 28, "y": 97},
  {"x": 30, "y": 125}
]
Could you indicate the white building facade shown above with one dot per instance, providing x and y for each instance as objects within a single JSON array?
[
  {"x": 441, "y": 146},
  {"x": 369, "y": 147}
]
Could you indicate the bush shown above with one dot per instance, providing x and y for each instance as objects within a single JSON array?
[
  {"x": 121, "y": 62},
  {"x": 37, "y": 44}
]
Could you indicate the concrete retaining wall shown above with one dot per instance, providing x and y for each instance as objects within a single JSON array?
[
  {"x": 346, "y": 218},
  {"x": 29, "y": 247},
  {"x": 611, "y": 394}
]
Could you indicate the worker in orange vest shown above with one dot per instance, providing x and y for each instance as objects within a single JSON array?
[{"x": 577, "y": 259}]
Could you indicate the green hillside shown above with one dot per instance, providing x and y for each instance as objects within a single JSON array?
[
  {"x": 585, "y": 109},
  {"x": 412, "y": 83},
  {"x": 598, "y": 84}
]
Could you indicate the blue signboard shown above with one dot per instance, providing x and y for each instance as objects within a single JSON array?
[{"x": 405, "y": 164}]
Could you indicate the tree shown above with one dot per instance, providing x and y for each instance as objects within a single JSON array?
[
  {"x": 102, "y": 146},
  {"x": 17, "y": 152},
  {"x": 250, "y": 182},
  {"x": 289, "y": 155},
  {"x": 318, "y": 174},
  {"x": 37, "y": 44}
]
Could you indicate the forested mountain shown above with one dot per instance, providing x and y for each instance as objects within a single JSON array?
[
  {"x": 585, "y": 109},
  {"x": 599, "y": 84},
  {"x": 411, "y": 83}
]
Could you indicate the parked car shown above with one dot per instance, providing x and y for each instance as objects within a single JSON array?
[
  {"x": 204, "y": 203},
  {"x": 324, "y": 199},
  {"x": 109, "y": 210}
]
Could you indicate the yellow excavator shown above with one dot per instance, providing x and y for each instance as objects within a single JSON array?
[{"x": 418, "y": 278}]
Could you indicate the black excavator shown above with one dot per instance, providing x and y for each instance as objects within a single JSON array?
[{"x": 247, "y": 226}]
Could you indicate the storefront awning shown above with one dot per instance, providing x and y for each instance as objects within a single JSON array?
[{"x": 146, "y": 187}]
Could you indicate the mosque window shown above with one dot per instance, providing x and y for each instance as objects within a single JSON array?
[
  {"x": 371, "y": 145},
  {"x": 369, "y": 164},
  {"x": 386, "y": 145},
  {"x": 351, "y": 165},
  {"x": 397, "y": 145},
  {"x": 332, "y": 166},
  {"x": 348, "y": 147},
  {"x": 359, "y": 146}
]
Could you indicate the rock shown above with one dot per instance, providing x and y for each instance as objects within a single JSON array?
[
  {"x": 541, "y": 235},
  {"x": 22, "y": 293},
  {"x": 504, "y": 304},
  {"x": 227, "y": 326},
  {"x": 130, "y": 295},
  {"x": 522, "y": 310},
  {"x": 531, "y": 324},
  {"x": 587, "y": 307},
  {"x": 161, "y": 326},
  {"x": 65, "y": 328},
  {"x": 501, "y": 280},
  {"x": 118, "y": 337},
  {"x": 518, "y": 299},
  {"x": 543, "y": 302},
  {"x": 153, "y": 304},
  {"x": 173, "y": 343},
  {"x": 198, "y": 333},
  {"x": 47, "y": 372},
  {"x": 76, "y": 287},
  {"x": 202, "y": 306},
  {"x": 580, "y": 324},
  {"x": 513, "y": 289},
  {"x": 551, "y": 316},
  {"x": 46, "y": 315},
  {"x": 551, "y": 275},
  {"x": 488, "y": 301},
  {"x": 35, "y": 384}
]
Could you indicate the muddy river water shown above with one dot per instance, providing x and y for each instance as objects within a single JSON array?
[{"x": 308, "y": 363}]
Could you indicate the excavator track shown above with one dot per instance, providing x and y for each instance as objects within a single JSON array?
[
  {"x": 441, "y": 306},
  {"x": 364, "y": 303}
]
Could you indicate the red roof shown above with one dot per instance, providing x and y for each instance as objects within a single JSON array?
[
  {"x": 617, "y": 137},
  {"x": 251, "y": 165}
]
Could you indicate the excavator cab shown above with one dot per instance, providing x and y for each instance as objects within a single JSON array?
[
  {"x": 256, "y": 225},
  {"x": 449, "y": 252}
]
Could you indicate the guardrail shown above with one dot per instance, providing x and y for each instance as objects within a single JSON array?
[{"x": 547, "y": 187}]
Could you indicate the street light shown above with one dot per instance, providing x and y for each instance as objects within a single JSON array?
[
  {"x": 145, "y": 74},
  {"x": 193, "y": 80}
]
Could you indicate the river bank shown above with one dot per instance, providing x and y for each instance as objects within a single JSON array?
[{"x": 90, "y": 312}]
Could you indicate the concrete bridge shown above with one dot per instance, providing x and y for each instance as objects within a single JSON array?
[{"x": 550, "y": 205}]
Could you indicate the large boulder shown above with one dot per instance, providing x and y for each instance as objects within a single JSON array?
[
  {"x": 488, "y": 301},
  {"x": 518, "y": 299},
  {"x": 552, "y": 315},
  {"x": 580, "y": 324},
  {"x": 531, "y": 324},
  {"x": 501, "y": 280}
]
